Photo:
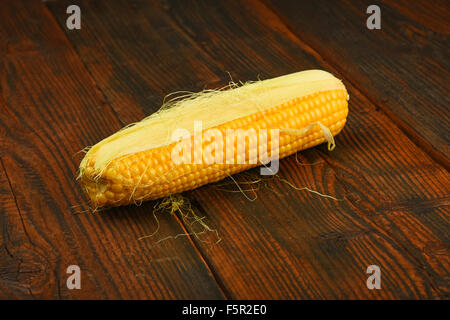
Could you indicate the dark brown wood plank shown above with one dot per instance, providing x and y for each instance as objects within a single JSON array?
[
  {"x": 118, "y": 41},
  {"x": 383, "y": 172},
  {"x": 16, "y": 273},
  {"x": 297, "y": 245},
  {"x": 49, "y": 111},
  {"x": 433, "y": 17},
  {"x": 403, "y": 68}
]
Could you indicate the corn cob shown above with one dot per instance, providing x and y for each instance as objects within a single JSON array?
[{"x": 136, "y": 164}]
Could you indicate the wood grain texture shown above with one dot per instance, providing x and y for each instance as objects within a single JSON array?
[
  {"x": 134, "y": 55},
  {"x": 16, "y": 274},
  {"x": 297, "y": 245},
  {"x": 383, "y": 171},
  {"x": 50, "y": 109},
  {"x": 403, "y": 68}
]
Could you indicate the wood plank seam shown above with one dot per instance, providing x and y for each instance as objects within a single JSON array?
[
  {"x": 5, "y": 245},
  {"x": 316, "y": 55},
  {"x": 223, "y": 289},
  {"x": 15, "y": 201},
  {"x": 413, "y": 136},
  {"x": 104, "y": 99},
  {"x": 40, "y": 207},
  {"x": 365, "y": 213},
  {"x": 202, "y": 257},
  {"x": 382, "y": 231}
]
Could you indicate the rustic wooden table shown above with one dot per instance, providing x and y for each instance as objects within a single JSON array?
[{"x": 62, "y": 90}]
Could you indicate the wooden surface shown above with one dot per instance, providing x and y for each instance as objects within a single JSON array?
[{"x": 62, "y": 90}]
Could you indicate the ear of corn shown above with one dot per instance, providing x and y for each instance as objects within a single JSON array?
[{"x": 136, "y": 163}]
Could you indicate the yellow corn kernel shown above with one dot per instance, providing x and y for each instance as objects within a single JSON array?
[{"x": 136, "y": 164}]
